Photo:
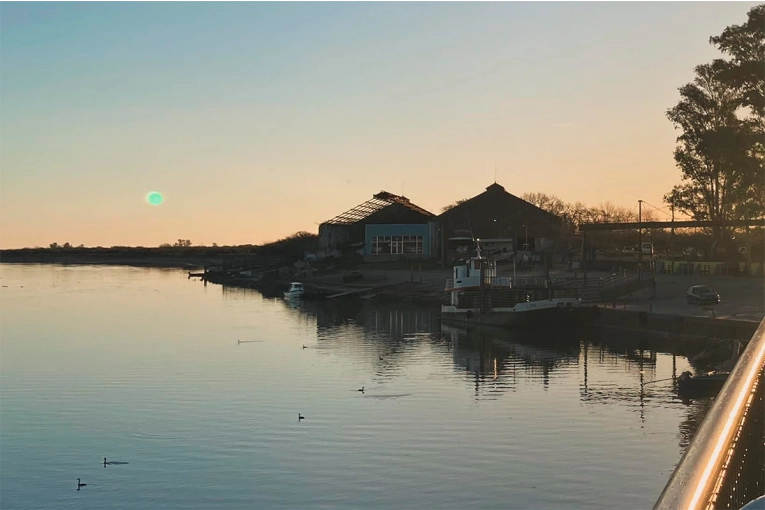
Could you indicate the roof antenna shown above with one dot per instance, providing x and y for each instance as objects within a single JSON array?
[
  {"x": 495, "y": 170},
  {"x": 403, "y": 183}
]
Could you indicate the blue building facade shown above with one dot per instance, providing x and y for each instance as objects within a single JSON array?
[{"x": 384, "y": 242}]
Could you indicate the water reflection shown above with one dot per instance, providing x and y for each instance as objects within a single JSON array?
[
  {"x": 494, "y": 354},
  {"x": 450, "y": 418},
  {"x": 493, "y": 360}
]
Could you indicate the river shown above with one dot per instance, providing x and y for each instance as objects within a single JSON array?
[{"x": 198, "y": 390}]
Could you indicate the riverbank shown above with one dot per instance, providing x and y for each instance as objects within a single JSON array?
[
  {"x": 389, "y": 284},
  {"x": 173, "y": 261}
]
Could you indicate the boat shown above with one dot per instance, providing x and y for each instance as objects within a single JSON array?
[
  {"x": 703, "y": 385},
  {"x": 295, "y": 291},
  {"x": 480, "y": 296}
]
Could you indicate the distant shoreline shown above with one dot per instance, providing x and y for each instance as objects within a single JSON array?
[{"x": 106, "y": 258}]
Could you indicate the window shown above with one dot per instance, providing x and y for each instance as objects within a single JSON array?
[
  {"x": 397, "y": 245},
  {"x": 380, "y": 245}
]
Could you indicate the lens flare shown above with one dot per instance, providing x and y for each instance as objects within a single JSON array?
[{"x": 154, "y": 198}]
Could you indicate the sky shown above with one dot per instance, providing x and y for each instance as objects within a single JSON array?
[{"x": 257, "y": 120}]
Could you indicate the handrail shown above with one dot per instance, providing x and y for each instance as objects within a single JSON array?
[{"x": 698, "y": 478}]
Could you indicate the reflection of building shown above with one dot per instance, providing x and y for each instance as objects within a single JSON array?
[
  {"x": 386, "y": 227},
  {"x": 375, "y": 320},
  {"x": 491, "y": 358}
]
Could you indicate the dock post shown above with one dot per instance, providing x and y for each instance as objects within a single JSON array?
[
  {"x": 584, "y": 256},
  {"x": 481, "y": 285}
]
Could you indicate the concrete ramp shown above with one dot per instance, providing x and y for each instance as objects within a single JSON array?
[{"x": 604, "y": 290}]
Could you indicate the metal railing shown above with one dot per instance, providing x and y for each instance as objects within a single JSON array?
[
  {"x": 724, "y": 465},
  {"x": 500, "y": 281}
]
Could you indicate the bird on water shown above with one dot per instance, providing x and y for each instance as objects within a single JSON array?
[
  {"x": 362, "y": 389},
  {"x": 79, "y": 484},
  {"x": 300, "y": 417},
  {"x": 113, "y": 462}
]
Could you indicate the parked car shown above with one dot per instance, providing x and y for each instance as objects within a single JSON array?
[
  {"x": 701, "y": 295},
  {"x": 628, "y": 250}
]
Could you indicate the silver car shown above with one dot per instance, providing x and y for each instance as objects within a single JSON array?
[{"x": 701, "y": 295}]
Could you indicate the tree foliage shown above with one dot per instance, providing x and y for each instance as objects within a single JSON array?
[
  {"x": 577, "y": 213},
  {"x": 720, "y": 116},
  {"x": 745, "y": 71},
  {"x": 454, "y": 204}
]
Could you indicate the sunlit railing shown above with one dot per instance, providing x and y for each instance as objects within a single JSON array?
[{"x": 724, "y": 465}]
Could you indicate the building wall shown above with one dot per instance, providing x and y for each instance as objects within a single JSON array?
[
  {"x": 496, "y": 213},
  {"x": 331, "y": 237},
  {"x": 423, "y": 230}
]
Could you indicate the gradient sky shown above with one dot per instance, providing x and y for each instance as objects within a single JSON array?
[{"x": 256, "y": 120}]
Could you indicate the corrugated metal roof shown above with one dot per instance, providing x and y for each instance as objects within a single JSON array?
[{"x": 377, "y": 203}]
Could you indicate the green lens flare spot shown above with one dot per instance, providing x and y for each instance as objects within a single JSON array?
[{"x": 154, "y": 198}]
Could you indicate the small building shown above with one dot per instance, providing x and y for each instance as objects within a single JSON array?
[
  {"x": 386, "y": 227},
  {"x": 502, "y": 220}
]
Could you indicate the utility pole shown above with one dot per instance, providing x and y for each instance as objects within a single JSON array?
[
  {"x": 672, "y": 239},
  {"x": 640, "y": 235}
]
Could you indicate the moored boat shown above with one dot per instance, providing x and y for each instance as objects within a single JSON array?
[
  {"x": 479, "y": 295},
  {"x": 703, "y": 385},
  {"x": 295, "y": 291}
]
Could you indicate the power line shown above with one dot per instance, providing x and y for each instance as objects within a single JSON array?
[{"x": 663, "y": 212}]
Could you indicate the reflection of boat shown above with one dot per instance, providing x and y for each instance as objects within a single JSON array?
[
  {"x": 704, "y": 385},
  {"x": 480, "y": 296},
  {"x": 295, "y": 291},
  {"x": 538, "y": 347}
]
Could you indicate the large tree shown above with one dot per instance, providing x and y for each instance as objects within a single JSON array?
[
  {"x": 745, "y": 71},
  {"x": 717, "y": 152}
]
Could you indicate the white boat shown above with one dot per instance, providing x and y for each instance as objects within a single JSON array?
[
  {"x": 479, "y": 295},
  {"x": 295, "y": 291}
]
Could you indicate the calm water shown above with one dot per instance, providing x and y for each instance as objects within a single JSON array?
[{"x": 143, "y": 366}]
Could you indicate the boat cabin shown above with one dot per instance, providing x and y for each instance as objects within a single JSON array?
[{"x": 468, "y": 273}]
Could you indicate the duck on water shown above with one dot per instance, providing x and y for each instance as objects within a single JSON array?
[{"x": 114, "y": 462}]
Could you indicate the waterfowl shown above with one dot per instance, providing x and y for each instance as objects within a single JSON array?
[
  {"x": 114, "y": 462},
  {"x": 300, "y": 417},
  {"x": 362, "y": 389},
  {"x": 79, "y": 484},
  {"x": 304, "y": 347}
]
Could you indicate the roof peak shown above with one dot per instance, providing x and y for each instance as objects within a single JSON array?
[{"x": 495, "y": 187}]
